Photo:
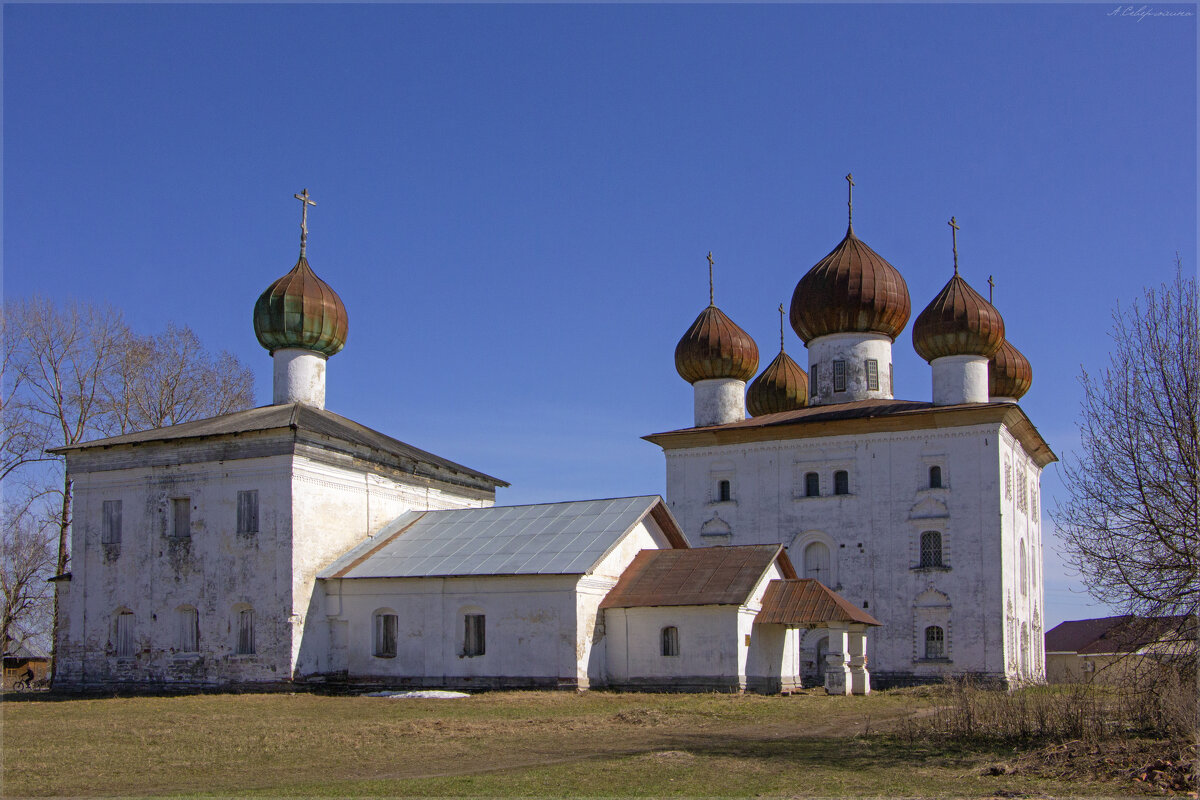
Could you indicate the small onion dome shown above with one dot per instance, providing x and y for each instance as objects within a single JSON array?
[
  {"x": 1009, "y": 372},
  {"x": 782, "y": 386},
  {"x": 851, "y": 290},
  {"x": 301, "y": 310},
  {"x": 715, "y": 347},
  {"x": 958, "y": 322}
]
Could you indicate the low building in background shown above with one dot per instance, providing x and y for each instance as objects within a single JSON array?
[{"x": 1111, "y": 649}]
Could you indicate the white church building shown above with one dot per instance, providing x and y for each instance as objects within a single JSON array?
[{"x": 287, "y": 544}]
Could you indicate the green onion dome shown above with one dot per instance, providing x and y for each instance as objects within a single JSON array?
[
  {"x": 300, "y": 310},
  {"x": 958, "y": 322},
  {"x": 1009, "y": 372},
  {"x": 715, "y": 347},
  {"x": 782, "y": 386}
]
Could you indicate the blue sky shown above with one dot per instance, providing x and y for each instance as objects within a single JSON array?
[{"x": 515, "y": 201}]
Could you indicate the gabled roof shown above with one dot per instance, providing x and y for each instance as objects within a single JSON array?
[
  {"x": 808, "y": 602},
  {"x": 702, "y": 576},
  {"x": 861, "y": 416},
  {"x": 545, "y": 539},
  {"x": 1124, "y": 634},
  {"x": 293, "y": 416}
]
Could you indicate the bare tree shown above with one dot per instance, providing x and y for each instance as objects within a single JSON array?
[
  {"x": 27, "y": 561},
  {"x": 1131, "y": 522}
]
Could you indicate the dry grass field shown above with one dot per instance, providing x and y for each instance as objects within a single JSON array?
[{"x": 498, "y": 744}]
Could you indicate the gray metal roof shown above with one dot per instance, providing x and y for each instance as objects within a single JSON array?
[{"x": 546, "y": 539}]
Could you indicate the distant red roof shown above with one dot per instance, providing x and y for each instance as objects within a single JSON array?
[
  {"x": 701, "y": 576},
  {"x": 1122, "y": 634},
  {"x": 808, "y": 602}
]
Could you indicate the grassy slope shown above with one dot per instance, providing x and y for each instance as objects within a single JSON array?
[{"x": 521, "y": 743}]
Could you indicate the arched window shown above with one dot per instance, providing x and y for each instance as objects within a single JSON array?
[
  {"x": 841, "y": 482},
  {"x": 123, "y": 634},
  {"x": 384, "y": 640},
  {"x": 812, "y": 484},
  {"x": 1024, "y": 570},
  {"x": 187, "y": 635},
  {"x": 670, "y": 641},
  {"x": 935, "y": 642},
  {"x": 724, "y": 493},
  {"x": 935, "y": 477},
  {"x": 931, "y": 549},
  {"x": 245, "y": 631},
  {"x": 816, "y": 562}
]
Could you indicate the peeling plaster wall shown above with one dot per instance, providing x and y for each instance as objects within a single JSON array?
[{"x": 873, "y": 534}]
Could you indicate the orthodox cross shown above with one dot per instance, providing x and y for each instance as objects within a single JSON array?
[
  {"x": 304, "y": 204},
  {"x": 781, "y": 327},
  {"x": 953, "y": 223},
  {"x": 710, "y": 283},
  {"x": 991, "y": 285},
  {"x": 850, "y": 198}
]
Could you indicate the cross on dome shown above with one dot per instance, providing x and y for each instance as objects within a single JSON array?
[
  {"x": 305, "y": 202},
  {"x": 850, "y": 199},
  {"x": 953, "y": 223},
  {"x": 991, "y": 286},
  {"x": 781, "y": 327},
  {"x": 710, "y": 279}
]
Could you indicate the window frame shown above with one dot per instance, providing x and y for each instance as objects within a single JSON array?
[
  {"x": 178, "y": 504},
  {"x": 110, "y": 522},
  {"x": 474, "y": 635},
  {"x": 123, "y": 634},
  {"x": 935, "y": 477},
  {"x": 187, "y": 633},
  {"x": 872, "y": 369},
  {"x": 245, "y": 644},
  {"x": 841, "y": 486},
  {"x": 724, "y": 490},
  {"x": 812, "y": 484},
  {"x": 935, "y": 643},
  {"x": 247, "y": 512},
  {"x": 380, "y": 639},
  {"x": 935, "y": 556},
  {"x": 669, "y": 641},
  {"x": 839, "y": 375}
]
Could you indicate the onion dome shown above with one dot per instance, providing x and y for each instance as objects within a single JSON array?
[
  {"x": 851, "y": 290},
  {"x": 715, "y": 347},
  {"x": 782, "y": 386},
  {"x": 301, "y": 310},
  {"x": 1009, "y": 372},
  {"x": 958, "y": 322}
]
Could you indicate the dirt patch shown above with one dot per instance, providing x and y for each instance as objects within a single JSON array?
[
  {"x": 641, "y": 716},
  {"x": 1151, "y": 766}
]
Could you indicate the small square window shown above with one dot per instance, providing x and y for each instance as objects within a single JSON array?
[
  {"x": 247, "y": 512},
  {"x": 474, "y": 639},
  {"x": 839, "y": 376},
  {"x": 872, "y": 375},
  {"x": 181, "y": 514}
]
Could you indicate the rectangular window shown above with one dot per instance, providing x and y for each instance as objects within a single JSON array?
[
  {"x": 245, "y": 637},
  {"x": 189, "y": 630},
  {"x": 385, "y": 635},
  {"x": 931, "y": 549},
  {"x": 670, "y": 641},
  {"x": 724, "y": 492},
  {"x": 812, "y": 484},
  {"x": 474, "y": 638},
  {"x": 125, "y": 634},
  {"x": 841, "y": 482},
  {"x": 110, "y": 529},
  {"x": 872, "y": 375},
  {"x": 181, "y": 514},
  {"x": 247, "y": 511},
  {"x": 839, "y": 376}
]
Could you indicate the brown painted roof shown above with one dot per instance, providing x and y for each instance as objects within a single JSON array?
[
  {"x": 808, "y": 602},
  {"x": 782, "y": 386},
  {"x": 1009, "y": 372},
  {"x": 852, "y": 289},
  {"x": 957, "y": 322},
  {"x": 715, "y": 347},
  {"x": 1122, "y": 634},
  {"x": 701, "y": 576},
  {"x": 295, "y": 416},
  {"x": 861, "y": 416},
  {"x": 301, "y": 310}
]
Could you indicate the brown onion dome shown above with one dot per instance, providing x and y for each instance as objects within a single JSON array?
[
  {"x": 301, "y": 310},
  {"x": 958, "y": 322},
  {"x": 1009, "y": 372},
  {"x": 715, "y": 347},
  {"x": 782, "y": 386},
  {"x": 851, "y": 290}
]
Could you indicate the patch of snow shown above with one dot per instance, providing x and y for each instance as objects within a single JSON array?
[{"x": 431, "y": 694}]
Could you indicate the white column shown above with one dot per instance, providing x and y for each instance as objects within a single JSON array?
[
  {"x": 860, "y": 679},
  {"x": 299, "y": 377},
  {"x": 852, "y": 351},
  {"x": 719, "y": 401},
  {"x": 960, "y": 379},
  {"x": 837, "y": 673}
]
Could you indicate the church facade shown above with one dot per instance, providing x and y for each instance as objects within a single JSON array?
[{"x": 925, "y": 513}]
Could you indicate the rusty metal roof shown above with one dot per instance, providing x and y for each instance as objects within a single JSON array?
[
  {"x": 957, "y": 322},
  {"x": 1009, "y": 372},
  {"x": 782, "y": 386},
  {"x": 297, "y": 417},
  {"x": 852, "y": 289},
  {"x": 715, "y": 347},
  {"x": 808, "y": 602},
  {"x": 301, "y": 310},
  {"x": 701, "y": 576}
]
